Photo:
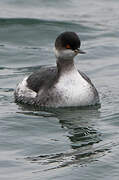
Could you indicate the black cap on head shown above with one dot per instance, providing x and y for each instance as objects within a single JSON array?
[{"x": 68, "y": 40}]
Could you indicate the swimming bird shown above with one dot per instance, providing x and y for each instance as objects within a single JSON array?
[{"x": 60, "y": 86}]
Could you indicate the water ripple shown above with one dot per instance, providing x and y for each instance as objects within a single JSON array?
[
  {"x": 36, "y": 21},
  {"x": 79, "y": 157}
]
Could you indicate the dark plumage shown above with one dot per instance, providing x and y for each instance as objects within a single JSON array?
[
  {"x": 45, "y": 77},
  {"x": 68, "y": 38}
]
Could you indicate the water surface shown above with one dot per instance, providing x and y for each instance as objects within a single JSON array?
[{"x": 64, "y": 143}]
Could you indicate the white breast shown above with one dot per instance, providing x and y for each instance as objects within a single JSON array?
[{"x": 75, "y": 90}]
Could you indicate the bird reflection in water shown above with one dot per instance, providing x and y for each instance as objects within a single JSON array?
[{"x": 83, "y": 134}]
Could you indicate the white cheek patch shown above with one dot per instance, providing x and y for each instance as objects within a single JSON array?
[{"x": 64, "y": 54}]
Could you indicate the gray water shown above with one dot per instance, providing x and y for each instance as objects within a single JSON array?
[{"x": 76, "y": 144}]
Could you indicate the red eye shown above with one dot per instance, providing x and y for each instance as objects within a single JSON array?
[{"x": 68, "y": 46}]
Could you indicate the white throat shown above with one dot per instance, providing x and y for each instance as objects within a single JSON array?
[{"x": 66, "y": 54}]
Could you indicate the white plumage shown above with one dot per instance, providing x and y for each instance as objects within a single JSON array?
[{"x": 76, "y": 91}]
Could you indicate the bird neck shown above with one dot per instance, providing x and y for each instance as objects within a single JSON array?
[{"x": 64, "y": 66}]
